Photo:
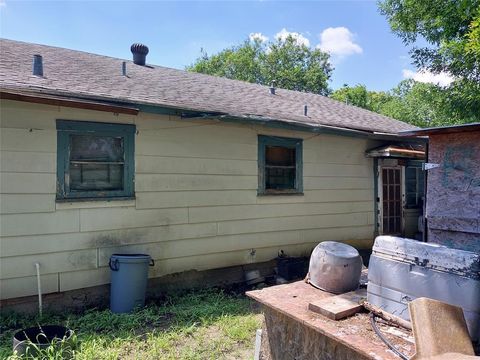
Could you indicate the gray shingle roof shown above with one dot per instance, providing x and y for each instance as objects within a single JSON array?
[{"x": 81, "y": 74}]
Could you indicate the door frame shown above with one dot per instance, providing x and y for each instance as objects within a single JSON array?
[{"x": 380, "y": 167}]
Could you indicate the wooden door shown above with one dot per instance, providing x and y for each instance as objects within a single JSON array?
[{"x": 391, "y": 201}]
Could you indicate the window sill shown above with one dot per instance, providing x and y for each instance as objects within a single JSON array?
[
  {"x": 280, "y": 193},
  {"x": 62, "y": 204}
]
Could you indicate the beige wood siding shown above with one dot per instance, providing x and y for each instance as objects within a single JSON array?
[{"x": 196, "y": 204}]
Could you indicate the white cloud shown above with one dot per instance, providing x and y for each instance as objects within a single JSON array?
[
  {"x": 283, "y": 34},
  {"x": 257, "y": 36},
  {"x": 425, "y": 76},
  {"x": 338, "y": 42}
]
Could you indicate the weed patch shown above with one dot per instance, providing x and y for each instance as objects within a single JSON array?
[{"x": 206, "y": 324}]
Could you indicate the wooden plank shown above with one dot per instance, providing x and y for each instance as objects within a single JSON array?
[
  {"x": 174, "y": 199},
  {"x": 41, "y": 244},
  {"x": 57, "y": 101},
  {"x": 243, "y": 212},
  {"x": 27, "y": 183},
  {"x": 187, "y": 165},
  {"x": 26, "y": 286},
  {"x": 26, "y": 203},
  {"x": 320, "y": 196},
  {"x": 347, "y": 234},
  {"x": 28, "y": 162},
  {"x": 341, "y": 150},
  {"x": 162, "y": 250},
  {"x": 195, "y": 148},
  {"x": 219, "y": 260},
  {"x": 338, "y": 170},
  {"x": 28, "y": 140},
  {"x": 340, "y": 306},
  {"x": 292, "y": 223},
  {"x": 22, "y": 115},
  {"x": 65, "y": 221},
  {"x": 121, "y": 218},
  {"x": 148, "y": 121},
  {"x": 336, "y": 182},
  {"x": 214, "y": 132},
  {"x": 178, "y": 182},
  {"x": 19, "y": 266},
  {"x": 79, "y": 279}
]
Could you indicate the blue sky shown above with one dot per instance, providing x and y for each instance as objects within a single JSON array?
[{"x": 364, "y": 50}]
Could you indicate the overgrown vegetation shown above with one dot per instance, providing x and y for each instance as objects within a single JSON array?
[{"x": 206, "y": 324}]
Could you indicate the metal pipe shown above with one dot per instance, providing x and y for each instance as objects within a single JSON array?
[
  {"x": 258, "y": 344},
  {"x": 39, "y": 289},
  {"x": 37, "y": 65}
]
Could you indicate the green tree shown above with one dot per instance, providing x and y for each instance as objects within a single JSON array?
[
  {"x": 356, "y": 95},
  {"x": 416, "y": 103},
  {"x": 450, "y": 27},
  {"x": 292, "y": 65}
]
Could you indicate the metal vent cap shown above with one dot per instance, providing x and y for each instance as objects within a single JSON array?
[{"x": 139, "y": 52}]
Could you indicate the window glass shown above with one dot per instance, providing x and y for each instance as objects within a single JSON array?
[
  {"x": 100, "y": 148},
  {"x": 414, "y": 178},
  {"x": 280, "y": 165},
  {"x": 96, "y": 160},
  {"x": 96, "y": 176}
]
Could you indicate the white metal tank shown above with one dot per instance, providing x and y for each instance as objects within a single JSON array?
[{"x": 335, "y": 267}]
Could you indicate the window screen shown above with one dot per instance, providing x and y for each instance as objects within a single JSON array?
[
  {"x": 95, "y": 160},
  {"x": 280, "y": 165}
]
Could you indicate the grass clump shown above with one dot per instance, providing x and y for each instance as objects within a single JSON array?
[{"x": 204, "y": 324}]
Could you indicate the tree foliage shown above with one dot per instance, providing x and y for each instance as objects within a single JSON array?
[
  {"x": 291, "y": 65},
  {"x": 450, "y": 27},
  {"x": 414, "y": 102}
]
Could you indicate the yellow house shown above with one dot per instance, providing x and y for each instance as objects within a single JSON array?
[{"x": 101, "y": 155}]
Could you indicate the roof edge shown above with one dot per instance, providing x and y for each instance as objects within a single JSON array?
[
  {"x": 43, "y": 96},
  {"x": 442, "y": 130}
]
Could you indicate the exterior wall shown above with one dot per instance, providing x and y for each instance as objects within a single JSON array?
[
  {"x": 196, "y": 205},
  {"x": 453, "y": 191}
]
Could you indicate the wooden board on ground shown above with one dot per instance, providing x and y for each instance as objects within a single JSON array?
[{"x": 339, "y": 306}]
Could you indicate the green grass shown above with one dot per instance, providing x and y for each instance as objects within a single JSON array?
[{"x": 206, "y": 324}]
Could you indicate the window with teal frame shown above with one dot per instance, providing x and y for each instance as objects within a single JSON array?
[
  {"x": 94, "y": 160},
  {"x": 280, "y": 165},
  {"x": 414, "y": 184}
]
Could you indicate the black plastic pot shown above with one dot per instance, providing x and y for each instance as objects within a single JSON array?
[
  {"x": 292, "y": 268},
  {"x": 41, "y": 337}
]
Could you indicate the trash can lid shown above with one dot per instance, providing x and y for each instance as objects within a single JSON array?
[{"x": 131, "y": 257}]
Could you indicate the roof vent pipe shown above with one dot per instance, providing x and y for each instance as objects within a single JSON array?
[
  {"x": 124, "y": 68},
  {"x": 139, "y": 52},
  {"x": 37, "y": 65},
  {"x": 272, "y": 87},
  {"x": 305, "y": 110}
]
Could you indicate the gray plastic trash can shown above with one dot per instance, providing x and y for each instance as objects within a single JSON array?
[{"x": 129, "y": 277}]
